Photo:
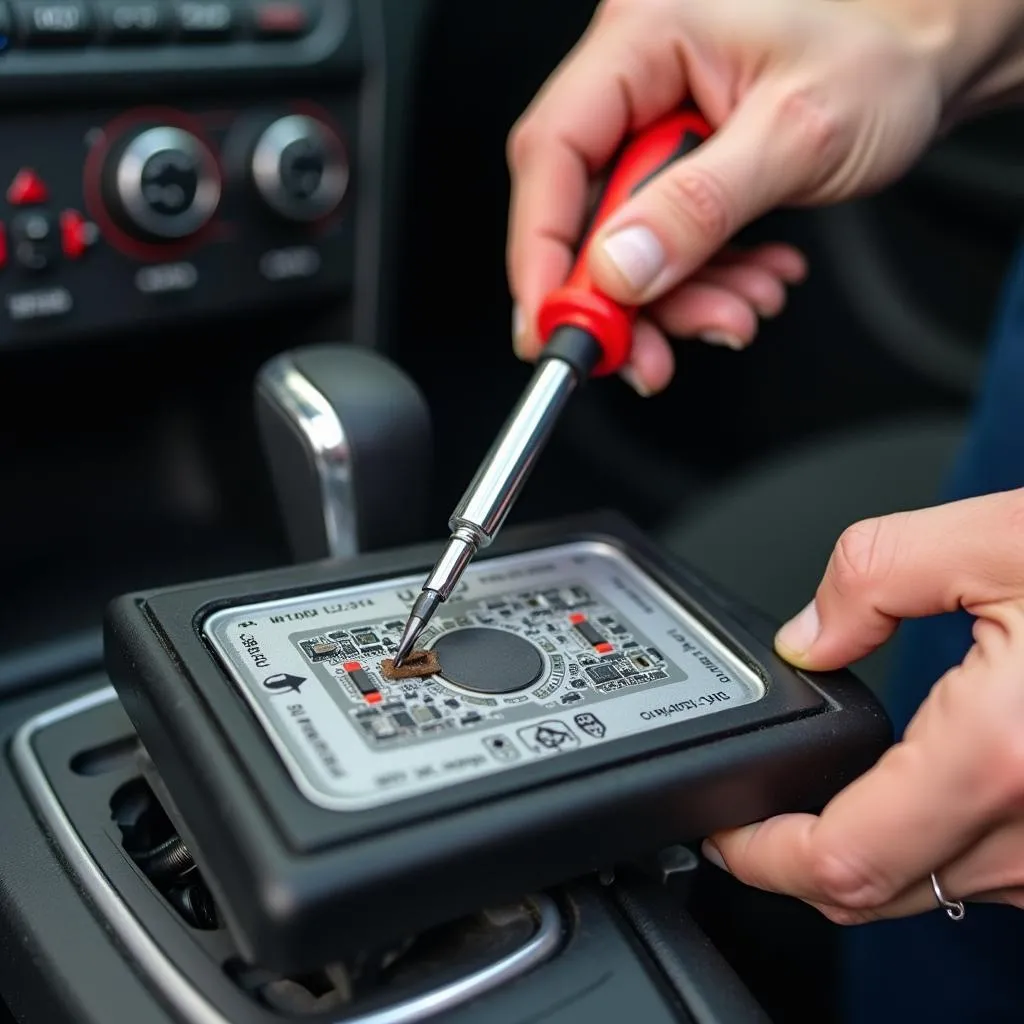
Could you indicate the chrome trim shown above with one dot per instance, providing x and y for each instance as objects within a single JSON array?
[
  {"x": 507, "y": 466},
  {"x": 267, "y": 171},
  {"x": 178, "y": 989},
  {"x": 491, "y": 494},
  {"x": 130, "y": 182},
  {"x": 316, "y": 419}
]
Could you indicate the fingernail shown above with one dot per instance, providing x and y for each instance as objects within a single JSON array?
[
  {"x": 713, "y": 855},
  {"x": 722, "y": 339},
  {"x": 629, "y": 375},
  {"x": 798, "y": 635},
  {"x": 637, "y": 255},
  {"x": 518, "y": 332}
]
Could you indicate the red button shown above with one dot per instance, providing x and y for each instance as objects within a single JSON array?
[
  {"x": 604, "y": 648},
  {"x": 373, "y": 698},
  {"x": 351, "y": 666},
  {"x": 3, "y": 246},
  {"x": 281, "y": 18},
  {"x": 74, "y": 234},
  {"x": 576, "y": 618},
  {"x": 27, "y": 189}
]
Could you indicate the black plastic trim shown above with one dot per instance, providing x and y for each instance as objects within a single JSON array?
[
  {"x": 48, "y": 662},
  {"x": 712, "y": 991},
  {"x": 285, "y": 871}
]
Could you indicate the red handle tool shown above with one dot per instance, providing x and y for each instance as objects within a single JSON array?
[
  {"x": 585, "y": 334},
  {"x": 578, "y": 303}
]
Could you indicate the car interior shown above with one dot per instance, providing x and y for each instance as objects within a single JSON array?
[{"x": 161, "y": 246}]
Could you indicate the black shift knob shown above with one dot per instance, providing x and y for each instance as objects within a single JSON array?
[{"x": 347, "y": 436}]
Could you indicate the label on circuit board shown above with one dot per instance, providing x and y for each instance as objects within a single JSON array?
[{"x": 587, "y": 650}]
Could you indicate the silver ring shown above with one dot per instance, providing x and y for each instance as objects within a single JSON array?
[{"x": 954, "y": 908}]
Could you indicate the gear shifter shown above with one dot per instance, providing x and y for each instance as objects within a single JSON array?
[{"x": 339, "y": 425}]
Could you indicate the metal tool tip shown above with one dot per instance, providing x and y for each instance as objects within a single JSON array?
[
  {"x": 421, "y": 614},
  {"x": 410, "y": 635}
]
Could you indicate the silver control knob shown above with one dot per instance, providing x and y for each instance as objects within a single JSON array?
[
  {"x": 300, "y": 168},
  {"x": 165, "y": 183}
]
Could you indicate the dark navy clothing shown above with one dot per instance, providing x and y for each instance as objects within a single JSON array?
[{"x": 927, "y": 968}]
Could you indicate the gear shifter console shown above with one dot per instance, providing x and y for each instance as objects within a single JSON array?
[{"x": 593, "y": 702}]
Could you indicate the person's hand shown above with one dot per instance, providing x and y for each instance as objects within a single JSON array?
[
  {"x": 813, "y": 102},
  {"x": 949, "y": 797}
]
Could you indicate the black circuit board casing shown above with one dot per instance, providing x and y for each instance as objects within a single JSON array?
[{"x": 300, "y": 885}]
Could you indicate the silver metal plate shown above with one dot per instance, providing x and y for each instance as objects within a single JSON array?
[{"x": 620, "y": 656}]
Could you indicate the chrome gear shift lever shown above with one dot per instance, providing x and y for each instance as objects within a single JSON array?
[{"x": 339, "y": 426}]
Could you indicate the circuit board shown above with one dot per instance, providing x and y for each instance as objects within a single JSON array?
[{"x": 541, "y": 655}]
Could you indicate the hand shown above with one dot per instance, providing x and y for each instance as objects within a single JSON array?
[
  {"x": 813, "y": 102},
  {"x": 948, "y": 798}
]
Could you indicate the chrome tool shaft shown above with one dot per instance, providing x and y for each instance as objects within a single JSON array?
[{"x": 494, "y": 490}]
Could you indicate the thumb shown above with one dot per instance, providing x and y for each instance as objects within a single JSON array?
[
  {"x": 691, "y": 209},
  {"x": 962, "y": 555}
]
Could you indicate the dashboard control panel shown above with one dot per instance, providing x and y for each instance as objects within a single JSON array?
[
  {"x": 41, "y": 36},
  {"x": 132, "y": 217}
]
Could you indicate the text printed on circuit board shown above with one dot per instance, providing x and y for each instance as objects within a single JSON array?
[{"x": 542, "y": 654}]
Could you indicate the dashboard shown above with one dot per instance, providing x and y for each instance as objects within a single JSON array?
[
  {"x": 186, "y": 188},
  {"x": 134, "y": 205}
]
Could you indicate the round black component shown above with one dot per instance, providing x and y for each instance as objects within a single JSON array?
[
  {"x": 169, "y": 860},
  {"x": 169, "y": 183},
  {"x": 163, "y": 184},
  {"x": 300, "y": 168},
  {"x": 196, "y": 906},
  {"x": 303, "y": 165},
  {"x": 488, "y": 660},
  {"x": 34, "y": 240}
]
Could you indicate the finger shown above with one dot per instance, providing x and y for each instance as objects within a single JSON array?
[
  {"x": 651, "y": 363},
  {"x": 785, "y": 262},
  {"x": 991, "y": 871},
  {"x": 936, "y": 798},
  {"x": 689, "y": 211},
  {"x": 995, "y": 865},
  {"x": 717, "y": 315},
  {"x": 759, "y": 288},
  {"x": 720, "y": 304},
  {"x": 918, "y": 899},
  {"x": 922, "y": 901},
  {"x": 571, "y": 131},
  {"x": 875, "y": 840},
  {"x": 908, "y": 565}
]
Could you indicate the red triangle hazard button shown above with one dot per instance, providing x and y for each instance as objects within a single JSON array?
[{"x": 27, "y": 189}]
